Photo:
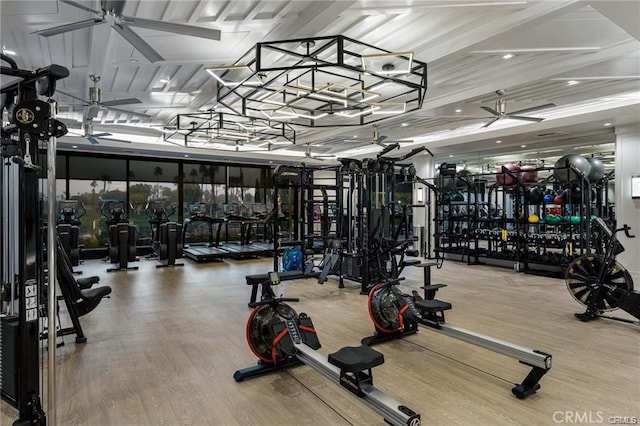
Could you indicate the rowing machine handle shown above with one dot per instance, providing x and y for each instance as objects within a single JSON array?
[{"x": 274, "y": 301}]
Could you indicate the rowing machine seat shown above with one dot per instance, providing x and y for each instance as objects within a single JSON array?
[{"x": 355, "y": 359}]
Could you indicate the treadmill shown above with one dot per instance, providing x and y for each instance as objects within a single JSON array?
[
  {"x": 245, "y": 247},
  {"x": 209, "y": 251}
]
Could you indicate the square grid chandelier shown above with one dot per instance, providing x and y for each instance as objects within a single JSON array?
[{"x": 331, "y": 81}]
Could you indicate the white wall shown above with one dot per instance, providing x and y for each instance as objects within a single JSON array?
[{"x": 628, "y": 210}]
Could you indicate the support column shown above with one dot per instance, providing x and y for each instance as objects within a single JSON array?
[
  {"x": 628, "y": 209},
  {"x": 423, "y": 217}
]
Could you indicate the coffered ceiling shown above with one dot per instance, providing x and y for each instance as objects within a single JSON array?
[{"x": 581, "y": 56}]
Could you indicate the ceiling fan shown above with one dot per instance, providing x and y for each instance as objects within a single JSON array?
[
  {"x": 500, "y": 111},
  {"x": 376, "y": 139},
  {"x": 89, "y": 135},
  {"x": 95, "y": 104},
  {"x": 111, "y": 12}
]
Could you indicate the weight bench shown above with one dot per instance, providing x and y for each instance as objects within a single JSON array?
[{"x": 262, "y": 281}]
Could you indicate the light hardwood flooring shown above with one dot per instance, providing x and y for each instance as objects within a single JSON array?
[{"x": 163, "y": 349}]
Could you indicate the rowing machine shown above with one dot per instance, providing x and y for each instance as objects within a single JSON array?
[
  {"x": 396, "y": 315},
  {"x": 281, "y": 338}
]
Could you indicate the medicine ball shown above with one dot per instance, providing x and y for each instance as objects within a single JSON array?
[
  {"x": 528, "y": 174},
  {"x": 563, "y": 173},
  {"x": 462, "y": 183},
  {"x": 534, "y": 218},
  {"x": 555, "y": 211},
  {"x": 553, "y": 219},
  {"x": 548, "y": 198},
  {"x": 505, "y": 179},
  {"x": 597, "y": 170},
  {"x": 534, "y": 195},
  {"x": 443, "y": 182},
  {"x": 558, "y": 199},
  {"x": 574, "y": 220},
  {"x": 457, "y": 196}
]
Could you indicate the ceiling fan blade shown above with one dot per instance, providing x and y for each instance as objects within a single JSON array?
[
  {"x": 73, "y": 97},
  {"x": 93, "y": 140},
  {"x": 189, "y": 30},
  {"x": 124, "y": 111},
  {"x": 490, "y": 110},
  {"x": 138, "y": 43},
  {"x": 522, "y": 117},
  {"x": 79, "y": 6},
  {"x": 87, "y": 23},
  {"x": 532, "y": 109},
  {"x": 127, "y": 101},
  {"x": 92, "y": 112},
  {"x": 99, "y": 135},
  {"x": 380, "y": 139},
  {"x": 491, "y": 122}
]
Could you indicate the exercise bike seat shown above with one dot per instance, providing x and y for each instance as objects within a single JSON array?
[
  {"x": 355, "y": 359},
  {"x": 433, "y": 306},
  {"x": 87, "y": 282}
]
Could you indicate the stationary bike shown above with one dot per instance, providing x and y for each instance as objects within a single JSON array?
[
  {"x": 68, "y": 227},
  {"x": 600, "y": 283},
  {"x": 122, "y": 236}
]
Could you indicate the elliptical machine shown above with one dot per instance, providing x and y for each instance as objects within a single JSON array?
[
  {"x": 166, "y": 235},
  {"x": 122, "y": 236},
  {"x": 68, "y": 227}
]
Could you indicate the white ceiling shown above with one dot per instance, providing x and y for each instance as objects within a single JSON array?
[{"x": 595, "y": 43}]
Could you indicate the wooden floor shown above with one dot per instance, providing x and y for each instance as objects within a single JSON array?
[{"x": 163, "y": 350}]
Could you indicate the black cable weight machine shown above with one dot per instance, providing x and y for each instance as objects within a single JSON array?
[{"x": 31, "y": 120}]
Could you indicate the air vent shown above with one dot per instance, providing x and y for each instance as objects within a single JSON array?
[{"x": 551, "y": 134}]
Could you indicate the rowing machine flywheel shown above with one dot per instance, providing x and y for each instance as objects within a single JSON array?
[
  {"x": 260, "y": 334},
  {"x": 384, "y": 308}
]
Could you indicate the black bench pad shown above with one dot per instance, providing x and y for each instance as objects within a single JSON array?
[
  {"x": 411, "y": 262},
  {"x": 87, "y": 282},
  {"x": 96, "y": 293},
  {"x": 355, "y": 359},
  {"x": 433, "y": 306}
]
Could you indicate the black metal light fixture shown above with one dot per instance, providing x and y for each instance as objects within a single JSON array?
[{"x": 321, "y": 82}]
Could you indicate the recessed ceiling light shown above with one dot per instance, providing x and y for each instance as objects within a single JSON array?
[
  {"x": 607, "y": 124},
  {"x": 572, "y": 82},
  {"x": 133, "y": 60},
  {"x": 164, "y": 80},
  {"x": 508, "y": 56},
  {"x": 355, "y": 136},
  {"x": 404, "y": 124},
  {"x": 450, "y": 155},
  {"x": 498, "y": 141},
  {"x": 270, "y": 162},
  {"x": 8, "y": 52},
  {"x": 458, "y": 110},
  {"x": 523, "y": 146},
  {"x": 186, "y": 155},
  {"x": 75, "y": 147}
]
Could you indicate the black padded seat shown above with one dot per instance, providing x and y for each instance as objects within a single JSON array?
[
  {"x": 96, "y": 293},
  {"x": 355, "y": 359},
  {"x": 411, "y": 262},
  {"x": 433, "y": 306},
  {"x": 87, "y": 282}
]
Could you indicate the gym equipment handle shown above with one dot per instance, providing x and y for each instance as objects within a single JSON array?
[
  {"x": 274, "y": 301},
  {"x": 626, "y": 228}
]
